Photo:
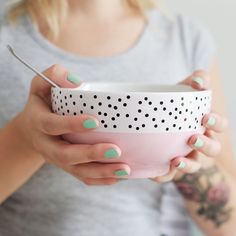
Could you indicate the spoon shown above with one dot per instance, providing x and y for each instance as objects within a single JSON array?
[{"x": 31, "y": 67}]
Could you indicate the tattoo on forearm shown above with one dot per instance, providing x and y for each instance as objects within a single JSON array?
[{"x": 209, "y": 189}]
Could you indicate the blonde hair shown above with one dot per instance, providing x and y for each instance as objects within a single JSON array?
[{"x": 54, "y": 11}]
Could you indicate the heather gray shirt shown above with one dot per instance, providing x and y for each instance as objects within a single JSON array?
[{"x": 52, "y": 202}]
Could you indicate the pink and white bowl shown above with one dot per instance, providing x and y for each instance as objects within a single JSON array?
[{"x": 150, "y": 123}]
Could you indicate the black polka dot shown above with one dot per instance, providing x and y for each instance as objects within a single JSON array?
[
  {"x": 155, "y": 108},
  {"x": 180, "y": 128},
  {"x": 145, "y": 98},
  {"x": 164, "y": 108},
  {"x": 182, "y": 104},
  {"x": 171, "y": 100},
  {"x": 115, "y": 107},
  {"x": 143, "y": 125},
  {"x": 170, "y": 113},
  {"x": 105, "y": 114},
  {"x": 99, "y": 113},
  {"x": 190, "y": 126},
  {"x": 102, "y": 121},
  {"x": 60, "y": 92},
  {"x": 61, "y": 107},
  {"x": 130, "y": 126},
  {"x": 63, "y": 113},
  {"x": 140, "y": 102},
  {"x": 99, "y": 104},
  {"x": 186, "y": 110},
  {"x": 114, "y": 126},
  {"x": 70, "y": 95},
  {"x": 198, "y": 108},
  {"x": 146, "y": 115},
  {"x": 75, "y": 113},
  {"x": 150, "y": 103},
  {"x": 137, "y": 128},
  {"x": 155, "y": 126},
  {"x": 81, "y": 96},
  {"x": 95, "y": 96},
  {"x": 68, "y": 111},
  {"x": 161, "y": 102},
  {"x": 113, "y": 118},
  {"x": 167, "y": 129},
  {"x": 125, "y": 104},
  {"x": 128, "y": 97},
  {"x": 81, "y": 112},
  {"x": 60, "y": 101},
  {"x": 84, "y": 104},
  {"x": 105, "y": 126},
  {"x": 174, "y": 125},
  {"x": 65, "y": 97},
  {"x": 127, "y": 115},
  {"x": 176, "y": 117},
  {"x": 74, "y": 103},
  {"x": 153, "y": 119},
  {"x": 180, "y": 112},
  {"x": 162, "y": 121},
  {"x": 108, "y": 97},
  {"x": 109, "y": 105},
  {"x": 139, "y": 110},
  {"x": 66, "y": 104},
  {"x": 182, "y": 98},
  {"x": 135, "y": 119},
  {"x": 185, "y": 119},
  {"x": 92, "y": 107},
  {"x": 119, "y": 99},
  {"x": 118, "y": 115},
  {"x": 176, "y": 109}
]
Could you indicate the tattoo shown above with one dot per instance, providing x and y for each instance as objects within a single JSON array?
[{"x": 209, "y": 190}]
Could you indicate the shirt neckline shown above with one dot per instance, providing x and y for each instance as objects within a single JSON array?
[{"x": 50, "y": 47}]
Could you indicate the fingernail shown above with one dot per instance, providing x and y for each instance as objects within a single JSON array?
[
  {"x": 90, "y": 124},
  {"x": 73, "y": 79},
  {"x": 121, "y": 173},
  {"x": 111, "y": 153},
  {"x": 211, "y": 121},
  {"x": 198, "y": 80},
  {"x": 198, "y": 143},
  {"x": 181, "y": 165}
]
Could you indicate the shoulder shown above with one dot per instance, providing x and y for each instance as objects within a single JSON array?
[{"x": 193, "y": 38}]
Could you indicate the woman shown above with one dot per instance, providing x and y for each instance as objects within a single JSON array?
[{"x": 105, "y": 40}]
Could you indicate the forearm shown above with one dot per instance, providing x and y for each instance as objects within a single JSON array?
[
  {"x": 210, "y": 198},
  {"x": 18, "y": 162}
]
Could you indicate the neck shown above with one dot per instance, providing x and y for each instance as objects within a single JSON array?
[{"x": 99, "y": 9}]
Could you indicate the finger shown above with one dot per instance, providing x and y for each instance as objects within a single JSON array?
[
  {"x": 166, "y": 178},
  {"x": 101, "y": 181},
  {"x": 65, "y": 154},
  {"x": 198, "y": 80},
  {"x": 186, "y": 165},
  {"x": 101, "y": 170},
  {"x": 57, "y": 74},
  {"x": 53, "y": 124},
  {"x": 206, "y": 145},
  {"x": 215, "y": 122}
]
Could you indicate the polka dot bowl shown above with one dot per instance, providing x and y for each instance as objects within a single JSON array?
[{"x": 151, "y": 123}]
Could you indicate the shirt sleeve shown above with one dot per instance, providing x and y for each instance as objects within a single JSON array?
[{"x": 201, "y": 48}]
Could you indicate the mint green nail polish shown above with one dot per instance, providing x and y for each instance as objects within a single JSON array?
[
  {"x": 73, "y": 79},
  {"x": 199, "y": 143},
  {"x": 90, "y": 124},
  {"x": 211, "y": 121},
  {"x": 181, "y": 165},
  {"x": 121, "y": 173},
  {"x": 198, "y": 80},
  {"x": 111, "y": 153}
]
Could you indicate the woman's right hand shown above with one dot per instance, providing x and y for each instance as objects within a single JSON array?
[{"x": 42, "y": 131}]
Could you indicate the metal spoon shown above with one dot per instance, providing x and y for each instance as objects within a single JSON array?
[{"x": 31, "y": 67}]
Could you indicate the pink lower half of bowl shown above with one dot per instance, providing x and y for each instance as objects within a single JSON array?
[{"x": 148, "y": 155}]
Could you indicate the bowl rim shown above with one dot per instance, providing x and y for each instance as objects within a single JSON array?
[{"x": 82, "y": 87}]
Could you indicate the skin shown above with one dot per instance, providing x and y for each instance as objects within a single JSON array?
[{"x": 29, "y": 141}]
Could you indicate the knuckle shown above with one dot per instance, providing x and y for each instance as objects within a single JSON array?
[
  {"x": 62, "y": 155},
  {"x": 46, "y": 125},
  {"x": 94, "y": 151}
]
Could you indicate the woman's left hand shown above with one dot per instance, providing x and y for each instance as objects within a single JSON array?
[{"x": 205, "y": 143}]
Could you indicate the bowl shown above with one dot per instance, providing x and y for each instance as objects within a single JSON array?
[{"x": 151, "y": 123}]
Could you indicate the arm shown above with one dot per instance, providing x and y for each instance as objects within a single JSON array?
[
  {"x": 210, "y": 193},
  {"x": 18, "y": 161}
]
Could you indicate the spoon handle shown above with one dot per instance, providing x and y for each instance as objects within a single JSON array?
[{"x": 31, "y": 67}]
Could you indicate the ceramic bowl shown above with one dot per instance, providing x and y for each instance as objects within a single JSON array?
[{"x": 151, "y": 123}]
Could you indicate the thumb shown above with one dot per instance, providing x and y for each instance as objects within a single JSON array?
[{"x": 57, "y": 74}]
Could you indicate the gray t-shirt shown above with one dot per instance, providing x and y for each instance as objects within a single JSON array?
[{"x": 52, "y": 202}]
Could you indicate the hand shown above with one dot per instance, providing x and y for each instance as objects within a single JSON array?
[
  {"x": 201, "y": 144},
  {"x": 42, "y": 131}
]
